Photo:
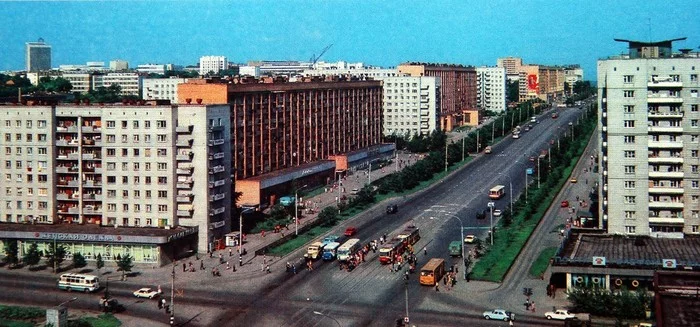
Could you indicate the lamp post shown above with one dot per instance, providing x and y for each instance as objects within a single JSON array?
[
  {"x": 538, "y": 172},
  {"x": 296, "y": 209},
  {"x": 491, "y": 205},
  {"x": 369, "y": 174},
  {"x": 461, "y": 233},
  {"x": 327, "y": 316},
  {"x": 240, "y": 231},
  {"x": 172, "y": 296},
  {"x": 526, "y": 186},
  {"x": 66, "y": 302}
]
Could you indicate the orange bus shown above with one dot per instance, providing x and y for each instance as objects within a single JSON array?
[
  {"x": 497, "y": 192},
  {"x": 432, "y": 272}
]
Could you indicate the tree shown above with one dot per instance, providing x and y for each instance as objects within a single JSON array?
[
  {"x": 512, "y": 91},
  {"x": 59, "y": 84},
  {"x": 55, "y": 256},
  {"x": 11, "y": 253},
  {"x": 79, "y": 260},
  {"x": 99, "y": 263},
  {"x": 125, "y": 264},
  {"x": 328, "y": 216},
  {"x": 32, "y": 257}
]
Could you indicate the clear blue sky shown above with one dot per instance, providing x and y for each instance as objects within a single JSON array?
[{"x": 382, "y": 33}]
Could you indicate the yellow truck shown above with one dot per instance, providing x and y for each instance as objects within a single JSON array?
[{"x": 314, "y": 250}]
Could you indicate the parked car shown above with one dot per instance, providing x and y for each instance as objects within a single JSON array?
[
  {"x": 350, "y": 231},
  {"x": 482, "y": 214},
  {"x": 499, "y": 314},
  {"x": 487, "y": 149},
  {"x": 469, "y": 239},
  {"x": 565, "y": 203},
  {"x": 355, "y": 191},
  {"x": 555, "y": 115},
  {"x": 392, "y": 208},
  {"x": 146, "y": 293},
  {"x": 574, "y": 180},
  {"x": 559, "y": 315},
  {"x": 497, "y": 212}
]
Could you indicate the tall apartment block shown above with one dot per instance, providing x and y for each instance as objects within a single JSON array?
[
  {"x": 649, "y": 126},
  {"x": 37, "y": 56},
  {"x": 212, "y": 64},
  {"x": 512, "y": 66},
  {"x": 491, "y": 88},
  {"x": 290, "y": 131},
  {"x": 541, "y": 82},
  {"x": 458, "y": 89},
  {"x": 74, "y": 173},
  {"x": 572, "y": 74}
]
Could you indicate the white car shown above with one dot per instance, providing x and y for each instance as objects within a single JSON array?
[
  {"x": 469, "y": 239},
  {"x": 355, "y": 191},
  {"x": 146, "y": 293},
  {"x": 498, "y": 314},
  {"x": 497, "y": 213},
  {"x": 559, "y": 315}
]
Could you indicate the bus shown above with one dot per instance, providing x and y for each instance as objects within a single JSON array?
[
  {"x": 390, "y": 249},
  {"x": 432, "y": 272},
  {"x": 79, "y": 282},
  {"x": 410, "y": 235},
  {"x": 348, "y": 248},
  {"x": 497, "y": 192},
  {"x": 330, "y": 251}
]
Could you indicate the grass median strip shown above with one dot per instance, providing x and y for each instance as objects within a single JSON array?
[{"x": 539, "y": 266}]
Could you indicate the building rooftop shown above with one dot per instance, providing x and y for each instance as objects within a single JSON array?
[
  {"x": 677, "y": 295},
  {"x": 90, "y": 229}
]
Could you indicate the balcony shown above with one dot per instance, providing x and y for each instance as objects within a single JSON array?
[
  {"x": 218, "y": 155},
  {"x": 89, "y": 210},
  {"x": 185, "y": 198},
  {"x": 663, "y": 99},
  {"x": 184, "y": 171},
  {"x": 65, "y": 197},
  {"x": 184, "y": 185},
  {"x": 184, "y": 129},
  {"x": 664, "y": 84},
  {"x": 217, "y": 169},
  {"x": 91, "y": 129},
  {"x": 185, "y": 142},
  {"x": 217, "y": 197},
  {"x": 666, "y": 204},
  {"x": 92, "y": 184},
  {"x": 185, "y": 157},
  {"x": 675, "y": 160},
  {"x": 664, "y": 174},
  {"x": 669, "y": 114},
  {"x": 666, "y": 220},
  {"x": 73, "y": 210},
  {"x": 73, "y": 183},
  {"x": 65, "y": 142},
  {"x": 65, "y": 170},
  {"x": 665, "y": 190},
  {"x": 217, "y": 211},
  {"x": 666, "y": 144},
  {"x": 184, "y": 213},
  {"x": 92, "y": 142},
  {"x": 665, "y": 129},
  {"x": 69, "y": 129},
  {"x": 218, "y": 183},
  {"x": 216, "y": 142},
  {"x": 216, "y": 128}
]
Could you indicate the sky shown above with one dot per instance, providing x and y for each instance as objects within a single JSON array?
[{"x": 379, "y": 33}]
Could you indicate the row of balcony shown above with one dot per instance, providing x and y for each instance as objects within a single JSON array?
[
  {"x": 74, "y": 129},
  {"x": 185, "y": 198},
  {"x": 74, "y": 169},
  {"x": 216, "y": 169},
  {"x": 76, "y": 197}
]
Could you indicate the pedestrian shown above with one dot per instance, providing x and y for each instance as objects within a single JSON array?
[
  {"x": 262, "y": 233},
  {"x": 262, "y": 267},
  {"x": 201, "y": 265},
  {"x": 234, "y": 267},
  {"x": 267, "y": 268},
  {"x": 425, "y": 250},
  {"x": 437, "y": 287},
  {"x": 294, "y": 269},
  {"x": 230, "y": 252},
  {"x": 510, "y": 322},
  {"x": 184, "y": 266},
  {"x": 240, "y": 261},
  {"x": 228, "y": 267},
  {"x": 160, "y": 305},
  {"x": 532, "y": 305}
]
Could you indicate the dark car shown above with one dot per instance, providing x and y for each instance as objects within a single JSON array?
[
  {"x": 111, "y": 305},
  {"x": 392, "y": 208},
  {"x": 482, "y": 214}
]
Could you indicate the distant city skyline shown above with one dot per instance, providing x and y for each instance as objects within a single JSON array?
[{"x": 377, "y": 33}]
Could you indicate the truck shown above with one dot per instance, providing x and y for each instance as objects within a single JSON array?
[
  {"x": 455, "y": 248},
  {"x": 314, "y": 250}
]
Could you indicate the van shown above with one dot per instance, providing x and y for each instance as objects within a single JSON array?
[{"x": 455, "y": 248}]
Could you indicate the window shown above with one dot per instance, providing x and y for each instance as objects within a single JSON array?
[
  {"x": 111, "y": 166},
  {"x": 162, "y": 208},
  {"x": 137, "y": 152},
  {"x": 162, "y": 152},
  {"x": 162, "y": 194},
  {"x": 41, "y": 124},
  {"x": 628, "y": 109},
  {"x": 125, "y": 207},
  {"x": 111, "y": 152},
  {"x": 630, "y": 214},
  {"x": 111, "y": 124},
  {"x": 693, "y": 93},
  {"x": 629, "y": 185},
  {"x": 111, "y": 207},
  {"x": 125, "y": 138},
  {"x": 8, "y": 137},
  {"x": 137, "y": 180},
  {"x": 147, "y": 124},
  {"x": 630, "y": 229},
  {"x": 629, "y": 123},
  {"x": 137, "y": 166},
  {"x": 125, "y": 152},
  {"x": 162, "y": 166},
  {"x": 136, "y": 124},
  {"x": 147, "y": 138},
  {"x": 137, "y": 195},
  {"x": 694, "y": 123},
  {"x": 149, "y": 221},
  {"x": 41, "y": 137},
  {"x": 111, "y": 179},
  {"x": 694, "y": 107},
  {"x": 630, "y": 199},
  {"x": 18, "y": 137},
  {"x": 162, "y": 180},
  {"x": 693, "y": 77},
  {"x": 629, "y": 170},
  {"x": 629, "y": 154},
  {"x": 629, "y": 139},
  {"x": 160, "y": 124},
  {"x": 42, "y": 151},
  {"x": 29, "y": 137},
  {"x": 111, "y": 193},
  {"x": 148, "y": 194},
  {"x": 628, "y": 94},
  {"x": 125, "y": 166},
  {"x": 627, "y": 79},
  {"x": 148, "y": 166},
  {"x": 162, "y": 138},
  {"x": 111, "y": 138},
  {"x": 148, "y": 178},
  {"x": 694, "y": 169},
  {"x": 125, "y": 124},
  {"x": 125, "y": 180}
]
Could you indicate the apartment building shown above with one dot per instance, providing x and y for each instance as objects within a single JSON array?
[
  {"x": 37, "y": 56},
  {"x": 153, "y": 68},
  {"x": 81, "y": 82},
  {"x": 161, "y": 88},
  {"x": 491, "y": 88},
  {"x": 458, "y": 89},
  {"x": 79, "y": 171},
  {"x": 541, "y": 82},
  {"x": 212, "y": 64},
  {"x": 411, "y": 105},
  {"x": 118, "y": 65},
  {"x": 512, "y": 66},
  {"x": 130, "y": 83},
  {"x": 649, "y": 126},
  {"x": 289, "y": 131},
  {"x": 572, "y": 74}
]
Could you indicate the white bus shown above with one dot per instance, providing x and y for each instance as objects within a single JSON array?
[
  {"x": 79, "y": 282},
  {"x": 497, "y": 192},
  {"x": 348, "y": 248}
]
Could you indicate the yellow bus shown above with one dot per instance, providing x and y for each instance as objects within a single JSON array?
[
  {"x": 497, "y": 192},
  {"x": 432, "y": 272}
]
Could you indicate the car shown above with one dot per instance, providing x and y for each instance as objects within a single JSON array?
[
  {"x": 555, "y": 115},
  {"x": 111, "y": 305},
  {"x": 571, "y": 124},
  {"x": 527, "y": 128},
  {"x": 533, "y": 119},
  {"x": 147, "y": 293},
  {"x": 392, "y": 208},
  {"x": 565, "y": 203},
  {"x": 574, "y": 180},
  {"x": 497, "y": 212},
  {"x": 532, "y": 158},
  {"x": 499, "y": 314},
  {"x": 559, "y": 315},
  {"x": 469, "y": 239},
  {"x": 355, "y": 191},
  {"x": 350, "y": 231},
  {"x": 487, "y": 149},
  {"x": 482, "y": 214},
  {"x": 516, "y": 136},
  {"x": 330, "y": 239}
]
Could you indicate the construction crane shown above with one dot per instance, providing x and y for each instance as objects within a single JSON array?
[{"x": 315, "y": 58}]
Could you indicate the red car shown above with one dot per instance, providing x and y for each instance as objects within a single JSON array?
[
  {"x": 565, "y": 203},
  {"x": 350, "y": 231}
]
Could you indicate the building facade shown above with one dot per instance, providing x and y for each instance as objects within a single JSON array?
[
  {"x": 159, "y": 69},
  {"x": 512, "y": 66},
  {"x": 541, "y": 82},
  {"x": 118, "y": 65},
  {"x": 411, "y": 105},
  {"x": 491, "y": 88},
  {"x": 130, "y": 83},
  {"x": 81, "y": 82},
  {"x": 136, "y": 168},
  {"x": 212, "y": 64},
  {"x": 161, "y": 88},
  {"x": 458, "y": 89},
  {"x": 37, "y": 56},
  {"x": 649, "y": 125},
  {"x": 572, "y": 74}
]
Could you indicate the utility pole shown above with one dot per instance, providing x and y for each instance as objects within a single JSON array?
[
  {"x": 405, "y": 284},
  {"x": 172, "y": 297},
  {"x": 396, "y": 158},
  {"x": 503, "y": 125},
  {"x": 493, "y": 131},
  {"x": 526, "y": 184},
  {"x": 445, "y": 155},
  {"x": 463, "y": 147},
  {"x": 491, "y": 205},
  {"x": 477, "y": 140},
  {"x": 538, "y": 172}
]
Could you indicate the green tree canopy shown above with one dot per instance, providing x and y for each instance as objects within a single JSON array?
[
  {"x": 99, "y": 263},
  {"x": 79, "y": 260},
  {"x": 11, "y": 252},
  {"x": 32, "y": 257},
  {"x": 55, "y": 256},
  {"x": 125, "y": 264}
]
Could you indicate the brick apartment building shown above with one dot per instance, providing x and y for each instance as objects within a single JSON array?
[
  {"x": 288, "y": 134},
  {"x": 458, "y": 90}
]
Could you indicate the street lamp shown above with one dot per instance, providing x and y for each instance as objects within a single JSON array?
[
  {"x": 240, "y": 230},
  {"x": 296, "y": 209},
  {"x": 327, "y": 316},
  {"x": 461, "y": 232},
  {"x": 66, "y": 302},
  {"x": 491, "y": 205}
]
